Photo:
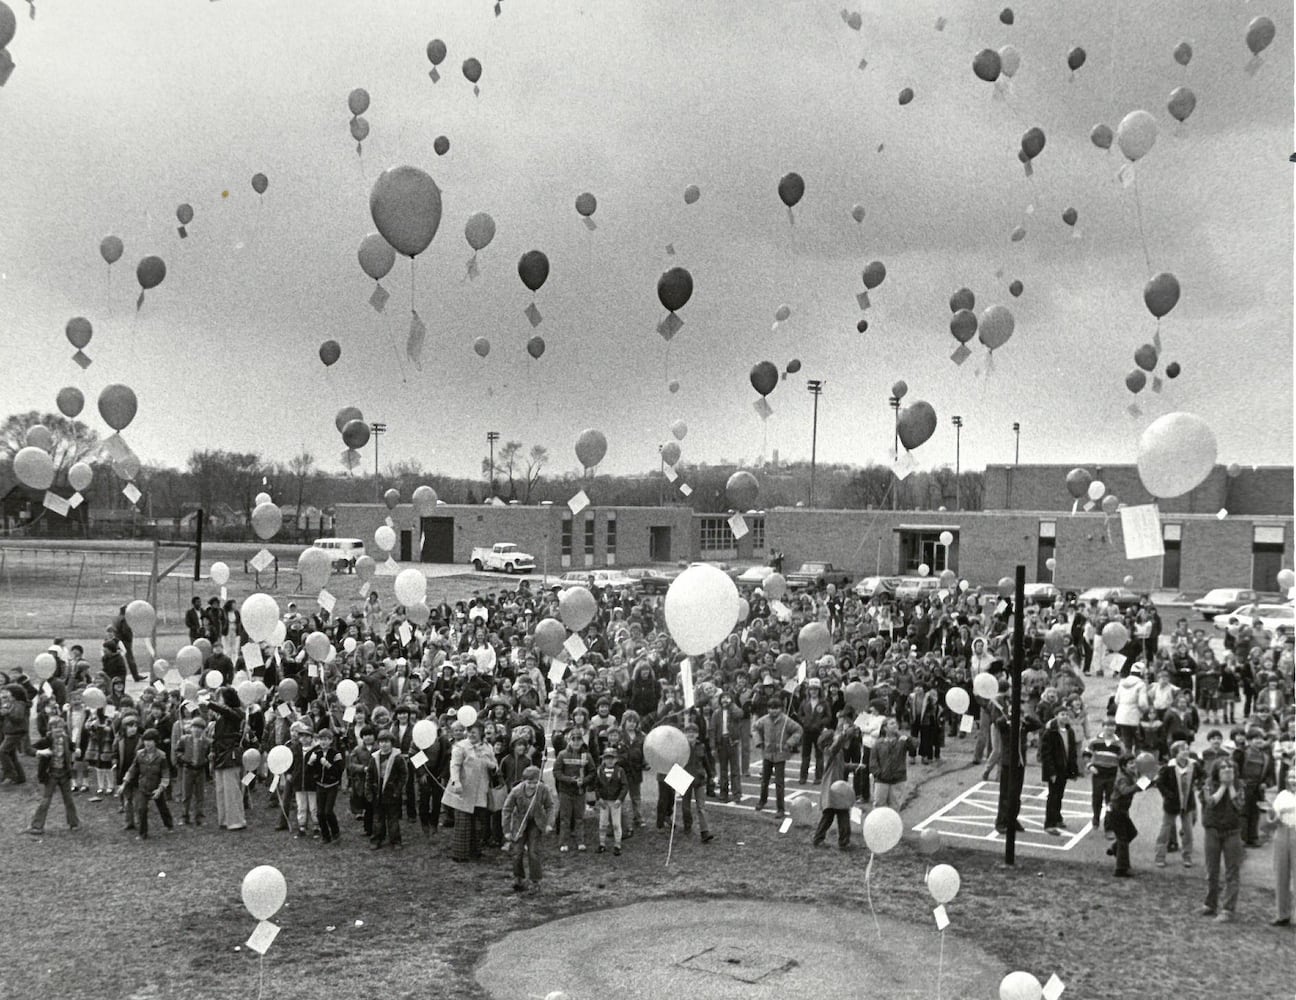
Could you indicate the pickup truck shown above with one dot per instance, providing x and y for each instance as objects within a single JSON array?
[
  {"x": 817, "y": 574},
  {"x": 502, "y": 556}
]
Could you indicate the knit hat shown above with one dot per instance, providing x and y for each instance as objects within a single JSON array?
[{"x": 609, "y": 752}]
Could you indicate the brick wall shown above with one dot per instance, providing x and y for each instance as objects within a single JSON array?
[{"x": 1043, "y": 487}]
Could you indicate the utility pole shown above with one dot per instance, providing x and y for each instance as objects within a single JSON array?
[
  {"x": 1010, "y": 789},
  {"x": 378, "y": 430},
  {"x": 491, "y": 438},
  {"x": 815, "y": 387},
  {"x": 958, "y": 432},
  {"x": 661, "y": 483},
  {"x": 1017, "y": 446},
  {"x": 894, "y": 401}
]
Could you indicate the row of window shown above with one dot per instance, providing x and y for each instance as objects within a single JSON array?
[
  {"x": 717, "y": 536},
  {"x": 610, "y": 541}
]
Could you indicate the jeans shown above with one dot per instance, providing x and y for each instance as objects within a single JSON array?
[
  {"x": 10, "y": 766},
  {"x": 744, "y": 746},
  {"x": 1053, "y": 804},
  {"x": 609, "y": 816},
  {"x": 809, "y": 746},
  {"x": 306, "y": 808},
  {"x": 1167, "y": 832},
  {"x": 888, "y": 794},
  {"x": 728, "y": 757},
  {"x": 193, "y": 789},
  {"x": 229, "y": 798},
  {"x": 695, "y": 794},
  {"x": 142, "y": 799},
  {"x": 1226, "y": 844},
  {"x": 1121, "y": 848},
  {"x": 1128, "y": 735},
  {"x": 387, "y": 826},
  {"x": 1103, "y": 784},
  {"x": 63, "y": 783},
  {"x": 843, "y": 826},
  {"x": 1253, "y": 795},
  {"x": 527, "y": 850},
  {"x": 776, "y": 769},
  {"x": 325, "y": 815},
  {"x": 631, "y": 805},
  {"x": 571, "y": 815},
  {"x": 429, "y": 802}
]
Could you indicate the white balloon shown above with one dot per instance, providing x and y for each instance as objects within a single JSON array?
[
  {"x": 347, "y": 692},
  {"x": 882, "y": 829},
  {"x": 260, "y": 499},
  {"x": 385, "y": 538},
  {"x": 943, "y": 883},
  {"x": 1097, "y": 490},
  {"x": 264, "y": 888},
  {"x": 985, "y": 685},
  {"x": 279, "y": 759},
  {"x": 411, "y": 586},
  {"x": 34, "y": 468},
  {"x": 1176, "y": 454},
  {"x": 260, "y": 615},
  {"x": 425, "y": 733},
  {"x": 1020, "y": 986},
  {"x": 957, "y": 700},
  {"x": 219, "y": 574},
  {"x": 213, "y": 679},
  {"x": 80, "y": 476},
  {"x": 466, "y": 716},
  {"x": 701, "y": 608},
  {"x": 140, "y": 616}
]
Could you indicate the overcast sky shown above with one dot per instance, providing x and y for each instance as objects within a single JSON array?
[{"x": 119, "y": 111}]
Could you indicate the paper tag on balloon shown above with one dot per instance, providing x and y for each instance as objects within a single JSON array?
[
  {"x": 261, "y": 561},
  {"x": 575, "y": 647},
  {"x": 263, "y": 937},
  {"x": 48, "y": 691},
  {"x": 419, "y": 759},
  {"x": 863, "y": 64},
  {"x": 762, "y": 408},
  {"x": 557, "y": 669},
  {"x": 327, "y": 601},
  {"x": 379, "y": 297},
  {"x": 274, "y": 784},
  {"x": 473, "y": 270},
  {"x": 312, "y": 670},
  {"x": 131, "y": 492},
  {"x": 942, "y": 918},
  {"x": 686, "y": 490},
  {"x": 284, "y": 710},
  {"x": 965, "y": 724},
  {"x": 390, "y": 568},
  {"x": 414, "y": 344},
  {"x": 590, "y": 224},
  {"x": 1223, "y": 513},
  {"x": 578, "y": 503},
  {"x": 1126, "y": 175},
  {"x": 1053, "y": 988},
  {"x": 679, "y": 779},
  {"x": 434, "y": 74},
  {"x": 184, "y": 233},
  {"x": 75, "y": 500},
  {"x": 365, "y": 588},
  {"x": 56, "y": 503},
  {"x": 1157, "y": 384},
  {"x": 790, "y": 685},
  {"x": 669, "y": 326},
  {"x": 863, "y": 299},
  {"x": 671, "y": 474},
  {"x": 1089, "y": 505},
  {"x": 904, "y": 466},
  {"x": 252, "y": 655},
  {"x": 349, "y": 715},
  {"x": 786, "y": 825},
  {"x": 670, "y": 249},
  {"x": 1001, "y": 608},
  {"x": 781, "y": 611},
  {"x": 1144, "y": 783},
  {"x": 405, "y": 633},
  {"x": 1141, "y": 528},
  {"x": 533, "y": 315},
  {"x": 79, "y": 357},
  {"x": 961, "y": 354},
  {"x": 159, "y": 686},
  {"x": 738, "y": 526},
  {"x": 248, "y": 779}
]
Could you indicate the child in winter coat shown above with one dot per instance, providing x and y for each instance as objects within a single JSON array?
[
  {"x": 324, "y": 766},
  {"x": 698, "y": 767},
  {"x": 610, "y": 788},
  {"x": 98, "y": 750},
  {"x": 632, "y": 760},
  {"x": 148, "y": 776}
]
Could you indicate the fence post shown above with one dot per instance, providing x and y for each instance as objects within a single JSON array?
[{"x": 77, "y": 592}]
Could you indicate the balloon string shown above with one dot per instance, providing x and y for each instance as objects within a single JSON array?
[
  {"x": 868, "y": 892},
  {"x": 412, "y": 309},
  {"x": 940, "y": 965},
  {"x": 260, "y": 975},
  {"x": 1111, "y": 72},
  {"x": 1138, "y": 209},
  {"x": 671, "y": 843},
  {"x": 391, "y": 338}
]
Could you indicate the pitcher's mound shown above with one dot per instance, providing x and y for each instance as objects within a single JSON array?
[{"x": 736, "y": 948}]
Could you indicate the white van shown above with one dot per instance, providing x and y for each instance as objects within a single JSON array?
[{"x": 343, "y": 551}]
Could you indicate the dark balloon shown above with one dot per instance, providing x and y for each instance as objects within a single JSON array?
[
  {"x": 533, "y": 269},
  {"x": 1101, "y": 136},
  {"x": 1006, "y": 15},
  {"x": 436, "y": 51},
  {"x": 1076, "y": 58},
  {"x": 917, "y": 423},
  {"x": 1135, "y": 381},
  {"x": 1070, "y": 216},
  {"x": 962, "y": 299},
  {"x": 1032, "y": 142},
  {"x": 862, "y": 326},
  {"x": 1183, "y": 54},
  {"x": 963, "y": 325},
  {"x": 536, "y": 347},
  {"x": 793, "y": 366},
  {"x": 441, "y": 145},
  {"x": 1173, "y": 369},
  {"x": 906, "y": 96},
  {"x": 764, "y": 377},
  {"x": 874, "y": 274},
  {"x": 1161, "y": 294},
  {"x": 987, "y": 65},
  {"x": 1146, "y": 357},
  {"x": 675, "y": 288},
  {"x": 1016, "y": 288},
  {"x": 791, "y": 189},
  {"x": 472, "y": 70},
  {"x": 259, "y": 183}
]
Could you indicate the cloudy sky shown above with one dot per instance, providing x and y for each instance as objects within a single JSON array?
[{"x": 118, "y": 112}]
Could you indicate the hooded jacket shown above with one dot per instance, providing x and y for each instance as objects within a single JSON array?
[{"x": 1131, "y": 700}]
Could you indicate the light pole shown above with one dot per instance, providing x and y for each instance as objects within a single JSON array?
[
  {"x": 661, "y": 483},
  {"x": 377, "y": 430},
  {"x": 491, "y": 438},
  {"x": 958, "y": 432},
  {"x": 1017, "y": 446},
  {"x": 815, "y": 387},
  {"x": 894, "y": 402}
]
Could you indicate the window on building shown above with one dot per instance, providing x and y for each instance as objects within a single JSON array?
[
  {"x": 611, "y": 539},
  {"x": 919, "y": 546},
  {"x": 566, "y": 539},
  {"x": 756, "y": 524},
  {"x": 1045, "y": 551},
  {"x": 715, "y": 536},
  {"x": 1171, "y": 534},
  {"x": 1267, "y": 547},
  {"x": 589, "y": 540}
]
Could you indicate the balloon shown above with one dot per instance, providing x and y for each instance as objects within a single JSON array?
[
  {"x": 329, "y": 352},
  {"x": 1129, "y": 581},
  {"x": 117, "y": 406},
  {"x": 140, "y": 616},
  {"x": 962, "y": 299},
  {"x": 213, "y": 679},
  {"x": 260, "y": 615},
  {"x": 251, "y": 759},
  {"x": 481, "y": 346},
  {"x": 359, "y": 129},
  {"x": 1075, "y": 58},
  {"x": 1019, "y": 233},
  {"x": 782, "y": 313},
  {"x": 314, "y": 565},
  {"x": 246, "y": 692},
  {"x": 963, "y": 325},
  {"x": 1032, "y": 143},
  {"x": 1077, "y": 482},
  {"x": 701, "y": 608},
  {"x": 93, "y": 698},
  {"x": 1161, "y": 293},
  {"x": 1175, "y": 454},
  {"x": 347, "y": 692},
  {"x": 150, "y": 271},
  {"x": 775, "y": 586},
  {"x": 764, "y": 377},
  {"x": 259, "y": 183},
  {"x": 985, "y": 685},
  {"x": 425, "y": 733},
  {"x": 1101, "y": 136},
  {"x": 185, "y": 214},
  {"x": 917, "y": 423},
  {"x": 365, "y": 568},
  {"x": 533, "y": 269},
  {"x": 376, "y": 256},
  {"x": 1050, "y": 564},
  {"x": 1173, "y": 369},
  {"x": 813, "y": 641},
  {"x": 264, "y": 888},
  {"x": 801, "y": 810},
  {"x": 1146, "y": 357},
  {"x": 1145, "y": 764},
  {"x": 874, "y": 274},
  {"x": 479, "y": 230},
  {"x": 856, "y": 695},
  {"x": 1260, "y": 32},
  {"x": 586, "y": 204},
  {"x": 576, "y": 607},
  {"x": 1136, "y": 135},
  {"x": 1010, "y": 59},
  {"x": 80, "y": 476},
  {"x": 1183, "y": 53},
  {"x": 424, "y": 500},
  {"x": 673, "y": 386},
  {"x": 1181, "y": 104},
  {"x": 204, "y": 646},
  {"x": 956, "y": 699},
  {"x": 840, "y": 795},
  {"x": 1015, "y": 289},
  {"x": 70, "y": 401},
  {"x": 44, "y": 666},
  {"x": 674, "y": 289},
  {"x": 943, "y": 883},
  {"x": 1135, "y": 381},
  {"x": 110, "y": 247},
  {"x": 742, "y": 490},
  {"x": 1110, "y": 503},
  {"x": 929, "y": 842},
  {"x": 358, "y": 101},
  {"x": 440, "y": 145},
  {"x": 188, "y": 661},
  {"x": 1020, "y": 986},
  {"x": 995, "y": 327},
  {"x": 691, "y": 194},
  {"x": 1114, "y": 636},
  {"x": 744, "y": 611},
  {"x": 385, "y": 538},
  {"x": 679, "y": 429},
  {"x": 411, "y": 586},
  {"x": 946, "y": 538},
  {"x": 1006, "y": 15},
  {"x": 436, "y": 51},
  {"x": 948, "y": 579},
  {"x": 987, "y": 65},
  {"x": 906, "y": 96},
  {"x": 406, "y": 207},
  {"x": 472, "y": 70},
  {"x": 1006, "y": 586},
  {"x": 924, "y": 570},
  {"x": 1097, "y": 488},
  {"x": 591, "y": 446},
  {"x": 1286, "y": 580},
  {"x": 317, "y": 646},
  {"x": 794, "y": 365},
  {"x": 267, "y": 519},
  {"x": 345, "y": 416},
  {"x": 355, "y": 434},
  {"x": 857, "y": 213},
  {"x": 34, "y": 468},
  {"x": 466, "y": 716},
  {"x": 536, "y": 347},
  {"x": 791, "y": 188},
  {"x": 882, "y": 829},
  {"x": 664, "y": 747},
  {"x": 670, "y": 453},
  {"x": 550, "y": 636},
  {"x": 1070, "y": 216},
  {"x": 391, "y": 498}
]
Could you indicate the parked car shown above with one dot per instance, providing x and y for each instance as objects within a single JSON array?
[
  {"x": 1043, "y": 594},
  {"x": 1222, "y": 600},
  {"x": 502, "y": 556},
  {"x": 342, "y": 551},
  {"x": 1277, "y": 618},
  {"x": 753, "y": 577},
  {"x": 913, "y": 588},
  {"x": 604, "y": 579},
  {"x": 1122, "y": 597},
  {"x": 817, "y": 574},
  {"x": 652, "y": 580}
]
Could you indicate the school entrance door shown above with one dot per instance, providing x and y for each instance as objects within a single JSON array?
[
  {"x": 438, "y": 540},
  {"x": 659, "y": 543}
]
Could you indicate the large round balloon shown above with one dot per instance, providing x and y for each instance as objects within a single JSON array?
[
  {"x": 78, "y": 332},
  {"x": 117, "y": 406},
  {"x": 791, "y": 188},
  {"x": 576, "y": 608},
  {"x": 1135, "y": 381},
  {"x": 691, "y": 194},
  {"x": 987, "y": 65},
  {"x": 874, "y": 274},
  {"x": 34, "y": 468},
  {"x": 365, "y": 568},
  {"x": 962, "y": 299},
  {"x": 411, "y": 586},
  {"x": 441, "y": 145},
  {"x": 882, "y": 829},
  {"x": 591, "y": 446},
  {"x": 675, "y": 288},
  {"x": 329, "y": 352},
  {"x": 481, "y": 347},
  {"x": 1114, "y": 636},
  {"x": 1181, "y": 104},
  {"x": 701, "y": 608},
  {"x": 679, "y": 429},
  {"x": 1183, "y": 53},
  {"x": 80, "y": 476},
  {"x": 664, "y": 747},
  {"x": 813, "y": 641},
  {"x": 985, "y": 685},
  {"x": 1146, "y": 357},
  {"x": 93, "y": 698},
  {"x": 943, "y": 883},
  {"x": 317, "y": 646},
  {"x": 392, "y": 498},
  {"x": 1136, "y": 135},
  {"x": 840, "y": 795},
  {"x": 1032, "y": 142},
  {"x": 1161, "y": 293},
  {"x": 267, "y": 519},
  {"x": 917, "y": 423},
  {"x": 1286, "y": 580},
  {"x": 1096, "y": 490},
  {"x": 436, "y": 51},
  {"x": 742, "y": 490},
  {"x": 185, "y": 214},
  {"x": 1110, "y": 504},
  {"x": 775, "y": 586},
  {"x": 1260, "y": 32},
  {"x": 385, "y": 538},
  {"x": 345, "y": 416},
  {"x": 348, "y": 691},
  {"x": 479, "y": 230},
  {"x": 670, "y": 453},
  {"x": 1175, "y": 454},
  {"x": 956, "y": 700},
  {"x": 188, "y": 660},
  {"x": 906, "y": 96},
  {"x": 70, "y": 401},
  {"x": 1075, "y": 58},
  {"x": 355, "y": 434},
  {"x": 1101, "y": 136},
  {"x": 550, "y": 636},
  {"x": 801, "y": 809},
  {"x": 259, "y": 615},
  {"x": 794, "y": 365},
  {"x": 358, "y": 101},
  {"x": 376, "y": 256},
  {"x": 963, "y": 325},
  {"x": 472, "y": 70},
  {"x": 995, "y": 326},
  {"x": 424, "y": 734},
  {"x": 140, "y": 616},
  {"x": 264, "y": 888},
  {"x": 764, "y": 377},
  {"x": 44, "y": 666},
  {"x": 315, "y": 565},
  {"x": 150, "y": 271},
  {"x": 1077, "y": 482},
  {"x": 110, "y": 247},
  {"x": 406, "y": 207},
  {"x": 424, "y": 499},
  {"x": 856, "y": 695},
  {"x": 533, "y": 269},
  {"x": 260, "y": 182}
]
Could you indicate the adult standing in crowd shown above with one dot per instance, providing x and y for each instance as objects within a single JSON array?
[
  {"x": 1223, "y": 803},
  {"x": 471, "y": 765}
]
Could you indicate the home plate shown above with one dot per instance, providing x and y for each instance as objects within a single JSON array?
[{"x": 971, "y": 816}]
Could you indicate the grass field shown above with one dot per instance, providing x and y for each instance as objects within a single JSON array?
[{"x": 96, "y": 914}]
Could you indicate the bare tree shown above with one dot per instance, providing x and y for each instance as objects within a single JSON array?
[
  {"x": 227, "y": 477},
  {"x": 537, "y": 458},
  {"x": 301, "y": 466},
  {"x": 73, "y": 440}
]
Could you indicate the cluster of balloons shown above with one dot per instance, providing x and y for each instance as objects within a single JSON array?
[{"x": 358, "y": 104}]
